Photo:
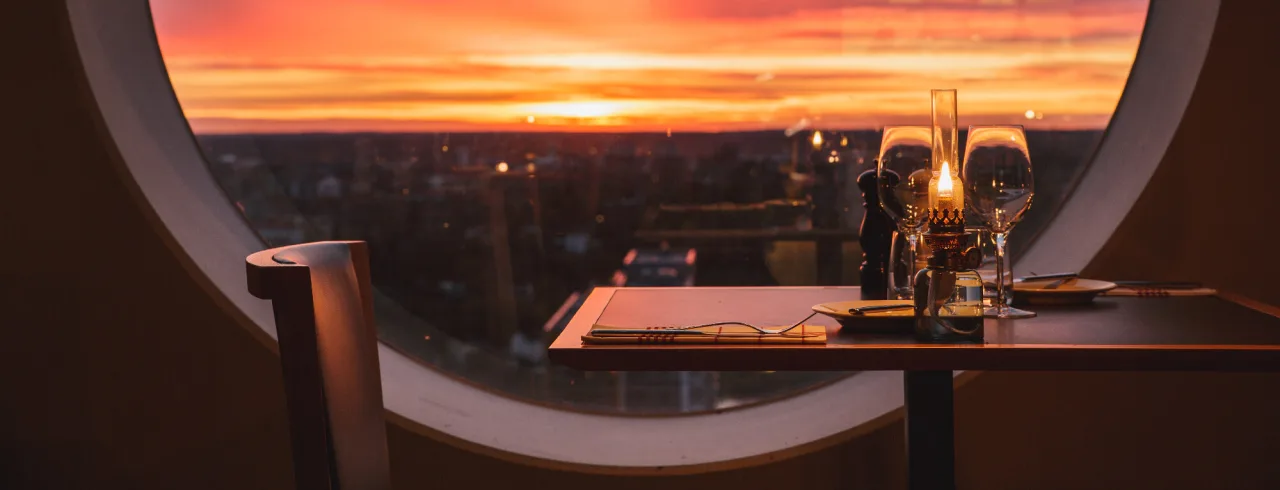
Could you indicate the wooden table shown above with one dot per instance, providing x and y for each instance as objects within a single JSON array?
[{"x": 1113, "y": 334}]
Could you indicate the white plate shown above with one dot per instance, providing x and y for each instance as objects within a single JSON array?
[
  {"x": 840, "y": 309},
  {"x": 887, "y": 321},
  {"x": 1072, "y": 292}
]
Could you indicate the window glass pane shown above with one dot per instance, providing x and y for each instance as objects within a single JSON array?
[{"x": 503, "y": 158}]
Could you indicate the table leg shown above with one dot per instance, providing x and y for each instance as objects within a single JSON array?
[{"x": 930, "y": 423}]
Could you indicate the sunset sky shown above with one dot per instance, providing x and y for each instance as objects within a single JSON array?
[{"x": 641, "y": 65}]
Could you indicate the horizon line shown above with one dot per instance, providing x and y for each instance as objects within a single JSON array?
[{"x": 588, "y": 132}]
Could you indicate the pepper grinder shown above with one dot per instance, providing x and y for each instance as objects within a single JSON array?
[{"x": 875, "y": 235}]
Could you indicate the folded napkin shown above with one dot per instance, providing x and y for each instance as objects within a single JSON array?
[
  {"x": 727, "y": 334},
  {"x": 1160, "y": 292}
]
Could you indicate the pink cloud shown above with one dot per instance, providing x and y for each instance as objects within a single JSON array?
[{"x": 715, "y": 63}]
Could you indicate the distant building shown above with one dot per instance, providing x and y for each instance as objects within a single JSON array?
[
  {"x": 655, "y": 267},
  {"x": 329, "y": 188}
]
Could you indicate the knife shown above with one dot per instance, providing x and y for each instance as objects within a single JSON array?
[
  {"x": 1159, "y": 284},
  {"x": 1046, "y": 277},
  {"x": 862, "y": 310}
]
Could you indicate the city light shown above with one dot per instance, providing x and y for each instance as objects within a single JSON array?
[{"x": 502, "y": 167}]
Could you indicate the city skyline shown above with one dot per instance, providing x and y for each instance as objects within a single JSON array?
[{"x": 641, "y": 66}]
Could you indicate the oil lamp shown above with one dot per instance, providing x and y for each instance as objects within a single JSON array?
[{"x": 948, "y": 292}]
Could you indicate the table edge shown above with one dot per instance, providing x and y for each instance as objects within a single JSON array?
[{"x": 568, "y": 350}]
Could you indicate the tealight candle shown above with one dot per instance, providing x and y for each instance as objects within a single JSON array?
[
  {"x": 942, "y": 190},
  {"x": 944, "y": 185}
]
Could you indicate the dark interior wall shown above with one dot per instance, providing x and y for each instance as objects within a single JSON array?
[
  {"x": 119, "y": 371},
  {"x": 1208, "y": 214},
  {"x": 1211, "y": 210}
]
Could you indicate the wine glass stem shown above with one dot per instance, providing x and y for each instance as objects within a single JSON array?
[
  {"x": 891, "y": 270},
  {"x": 1002, "y": 305},
  {"x": 913, "y": 247}
]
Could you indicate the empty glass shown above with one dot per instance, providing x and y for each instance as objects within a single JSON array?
[
  {"x": 902, "y": 173},
  {"x": 980, "y": 236},
  {"x": 998, "y": 189}
]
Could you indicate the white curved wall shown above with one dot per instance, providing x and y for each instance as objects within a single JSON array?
[
  {"x": 1164, "y": 75},
  {"x": 126, "y": 76}
]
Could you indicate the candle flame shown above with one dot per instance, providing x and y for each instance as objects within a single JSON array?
[{"x": 944, "y": 183}]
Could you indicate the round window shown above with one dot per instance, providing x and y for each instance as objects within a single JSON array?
[{"x": 504, "y": 158}]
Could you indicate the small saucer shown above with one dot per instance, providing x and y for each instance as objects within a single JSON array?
[
  {"x": 1072, "y": 292},
  {"x": 884, "y": 321}
]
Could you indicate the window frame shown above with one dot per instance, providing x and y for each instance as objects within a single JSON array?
[{"x": 161, "y": 162}]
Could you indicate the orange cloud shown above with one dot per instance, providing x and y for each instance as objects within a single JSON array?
[{"x": 632, "y": 65}]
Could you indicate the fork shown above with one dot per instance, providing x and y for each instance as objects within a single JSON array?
[{"x": 693, "y": 329}]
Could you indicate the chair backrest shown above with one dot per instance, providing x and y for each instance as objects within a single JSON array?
[{"x": 323, "y": 306}]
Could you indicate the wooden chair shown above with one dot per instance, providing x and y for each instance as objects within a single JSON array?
[{"x": 329, "y": 354}]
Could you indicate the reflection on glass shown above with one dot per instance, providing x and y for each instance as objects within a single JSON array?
[
  {"x": 903, "y": 173},
  {"x": 659, "y": 143},
  {"x": 999, "y": 187}
]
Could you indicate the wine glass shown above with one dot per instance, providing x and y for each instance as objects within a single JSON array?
[
  {"x": 980, "y": 237},
  {"x": 998, "y": 189},
  {"x": 902, "y": 175}
]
